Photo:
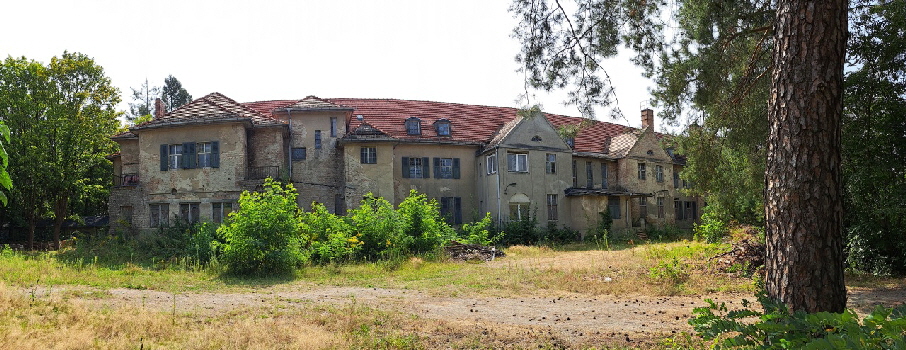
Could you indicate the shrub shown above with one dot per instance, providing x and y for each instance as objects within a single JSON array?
[
  {"x": 421, "y": 220},
  {"x": 711, "y": 229},
  {"x": 332, "y": 237},
  {"x": 779, "y": 328},
  {"x": 378, "y": 227},
  {"x": 521, "y": 232},
  {"x": 558, "y": 235},
  {"x": 264, "y": 235},
  {"x": 479, "y": 232}
]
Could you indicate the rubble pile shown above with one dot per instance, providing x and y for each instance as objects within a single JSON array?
[
  {"x": 465, "y": 252},
  {"x": 747, "y": 254}
]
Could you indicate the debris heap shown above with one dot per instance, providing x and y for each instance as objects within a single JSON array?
[
  {"x": 464, "y": 252},
  {"x": 747, "y": 253}
]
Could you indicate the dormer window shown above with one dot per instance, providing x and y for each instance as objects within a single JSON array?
[
  {"x": 413, "y": 126},
  {"x": 571, "y": 142},
  {"x": 443, "y": 127}
]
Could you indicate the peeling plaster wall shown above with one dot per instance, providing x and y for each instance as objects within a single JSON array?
[
  {"x": 361, "y": 179},
  {"x": 464, "y": 187},
  {"x": 318, "y": 178}
]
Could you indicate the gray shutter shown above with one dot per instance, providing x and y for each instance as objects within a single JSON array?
[
  {"x": 457, "y": 209},
  {"x": 188, "y": 155},
  {"x": 164, "y": 149},
  {"x": 455, "y": 168},
  {"x": 426, "y": 168},
  {"x": 405, "y": 167},
  {"x": 215, "y": 154},
  {"x": 436, "y": 168}
]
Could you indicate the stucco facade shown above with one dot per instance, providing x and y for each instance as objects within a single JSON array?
[{"x": 194, "y": 162}]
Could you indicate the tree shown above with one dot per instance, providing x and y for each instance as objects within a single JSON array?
[
  {"x": 60, "y": 117},
  {"x": 144, "y": 98},
  {"x": 173, "y": 94},
  {"x": 562, "y": 49}
]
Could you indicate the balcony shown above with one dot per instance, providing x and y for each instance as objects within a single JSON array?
[
  {"x": 262, "y": 172},
  {"x": 125, "y": 180}
]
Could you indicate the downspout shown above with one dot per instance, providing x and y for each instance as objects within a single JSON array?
[
  {"x": 497, "y": 172},
  {"x": 289, "y": 147}
]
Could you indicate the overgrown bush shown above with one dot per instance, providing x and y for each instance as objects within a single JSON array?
[
  {"x": 480, "y": 232},
  {"x": 376, "y": 223},
  {"x": 421, "y": 220},
  {"x": 264, "y": 235},
  {"x": 711, "y": 229},
  {"x": 332, "y": 236},
  {"x": 779, "y": 328},
  {"x": 521, "y": 232},
  {"x": 555, "y": 235}
]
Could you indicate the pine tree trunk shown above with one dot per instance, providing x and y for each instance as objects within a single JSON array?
[{"x": 803, "y": 200}]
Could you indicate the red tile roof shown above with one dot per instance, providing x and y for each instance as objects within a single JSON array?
[
  {"x": 268, "y": 107},
  {"x": 213, "y": 107}
]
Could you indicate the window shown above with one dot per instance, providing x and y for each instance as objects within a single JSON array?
[
  {"x": 519, "y": 211},
  {"x": 660, "y": 207},
  {"x": 443, "y": 127},
  {"x": 643, "y": 207},
  {"x": 189, "y": 212},
  {"x": 203, "y": 155},
  {"x": 369, "y": 155},
  {"x": 220, "y": 211},
  {"x": 413, "y": 126},
  {"x": 446, "y": 168},
  {"x": 613, "y": 205},
  {"x": 603, "y": 175},
  {"x": 641, "y": 171},
  {"x": 589, "y": 176},
  {"x": 333, "y": 126},
  {"x": 691, "y": 210},
  {"x": 317, "y": 139},
  {"x": 571, "y": 142},
  {"x": 575, "y": 174},
  {"x": 160, "y": 214},
  {"x": 551, "y": 165},
  {"x": 659, "y": 173},
  {"x": 678, "y": 209},
  {"x": 517, "y": 162},
  {"x": 415, "y": 168},
  {"x": 189, "y": 155},
  {"x": 126, "y": 214},
  {"x": 451, "y": 209},
  {"x": 492, "y": 163},
  {"x": 175, "y": 159},
  {"x": 676, "y": 181},
  {"x": 552, "y": 207},
  {"x": 300, "y": 153}
]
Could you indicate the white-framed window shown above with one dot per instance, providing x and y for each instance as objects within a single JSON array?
[
  {"x": 551, "y": 164},
  {"x": 220, "y": 211},
  {"x": 415, "y": 168},
  {"x": 443, "y": 127},
  {"x": 552, "y": 208},
  {"x": 160, "y": 214},
  {"x": 519, "y": 211},
  {"x": 189, "y": 212},
  {"x": 491, "y": 161},
  {"x": 203, "y": 154},
  {"x": 641, "y": 171},
  {"x": 517, "y": 162},
  {"x": 333, "y": 126},
  {"x": 369, "y": 155},
  {"x": 659, "y": 173},
  {"x": 413, "y": 126},
  {"x": 444, "y": 168},
  {"x": 175, "y": 156}
]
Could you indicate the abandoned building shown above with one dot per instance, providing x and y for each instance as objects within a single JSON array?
[{"x": 192, "y": 163}]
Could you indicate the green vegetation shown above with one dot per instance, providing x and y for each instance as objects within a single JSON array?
[{"x": 779, "y": 328}]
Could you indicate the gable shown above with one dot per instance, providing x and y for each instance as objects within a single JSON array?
[
  {"x": 534, "y": 133},
  {"x": 646, "y": 142}
]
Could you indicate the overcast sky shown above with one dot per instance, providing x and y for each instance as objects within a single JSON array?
[{"x": 449, "y": 51}]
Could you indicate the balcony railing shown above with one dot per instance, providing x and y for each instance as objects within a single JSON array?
[
  {"x": 125, "y": 180},
  {"x": 262, "y": 172}
]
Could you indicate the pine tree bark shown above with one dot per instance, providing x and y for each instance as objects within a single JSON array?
[{"x": 803, "y": 199}]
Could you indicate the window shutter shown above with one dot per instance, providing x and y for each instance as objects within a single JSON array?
[
  {"x": 436, "y": 168},
  {"x": 188, "y": 155},
  {"x": 457, "y": 208},
  {"x": 215, "y": 154},
  {"x": 164, "y": 149},
  {"x": 445, "y": 207},
  {"x": 405, "y": 167},
  {"x": 426, "y": 168},
  {"x": 455, "y": 168}
]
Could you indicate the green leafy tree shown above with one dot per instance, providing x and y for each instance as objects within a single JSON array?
[
  {"x": 60, "y": 117},
  {"x": 173, "y": 94},
  {"x": 265, "y": 235},
  {"x": 563, "y": 47},
  {"x": 143, "y": 101}
]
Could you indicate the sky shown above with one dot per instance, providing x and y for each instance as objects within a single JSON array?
[{"x": 449, "y": 51}]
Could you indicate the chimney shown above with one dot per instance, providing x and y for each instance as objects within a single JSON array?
[
  {"x": 159, "y": 109},
  {"x": 648, "y": 118}
]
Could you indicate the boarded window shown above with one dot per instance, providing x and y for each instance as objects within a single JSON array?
[
  {"x": 126, "y": 214},
  {"x": 300, "y": 153}
]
